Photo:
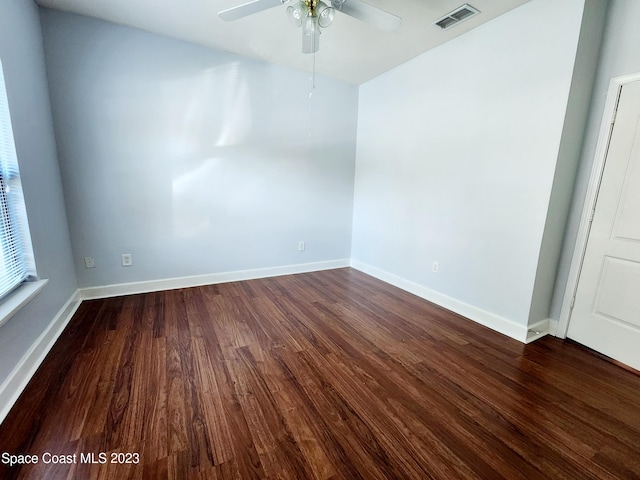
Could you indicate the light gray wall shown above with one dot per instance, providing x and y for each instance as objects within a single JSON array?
[
  {"x": 457, "y": 153},
  {"x": 619, "y": 56},
  {"x": 23, "y": 62},
  {"x": 192, "y": 160},
  {"x": 593, "y": 22}
]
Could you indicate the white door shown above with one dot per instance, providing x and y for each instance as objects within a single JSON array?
[{"x": 606, "y": 313}]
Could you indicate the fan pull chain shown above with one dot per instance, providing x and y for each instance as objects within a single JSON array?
[
  {"x": 313, "y": 75},
  {"x": 312, "y": 86}
]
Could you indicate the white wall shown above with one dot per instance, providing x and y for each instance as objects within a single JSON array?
[
  {"x": 619, "y": 56},
  {"x": 192, "y": 160},
  {"x": 23, "y": 64},
  {"x": 457, "y": 151}
]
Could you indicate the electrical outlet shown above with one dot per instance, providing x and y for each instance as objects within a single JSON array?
[
  {"x": 89, "y": 262},
  {"x": 435, "y": 267},
  {"x": 127, "y": 261},
  {"x": 300, "y": 246}
]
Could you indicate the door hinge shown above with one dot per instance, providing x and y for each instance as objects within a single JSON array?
[
  {"x": 573, "y": 302},
  {"x": 593, "y": 214}
]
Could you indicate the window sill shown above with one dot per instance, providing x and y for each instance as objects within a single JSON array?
[{"x": 18, "y": 299}]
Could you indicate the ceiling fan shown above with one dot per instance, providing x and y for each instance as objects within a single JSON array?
[{"x": 312, "y": 15}]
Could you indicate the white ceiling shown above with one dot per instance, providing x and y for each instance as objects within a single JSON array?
[{"x": 350, "y": 50}]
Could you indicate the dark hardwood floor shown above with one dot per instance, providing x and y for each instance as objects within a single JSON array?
[{"x": 328, "y": 375}]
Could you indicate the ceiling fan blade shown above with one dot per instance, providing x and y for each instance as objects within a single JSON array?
[
  {"x": 362, "y": 11},
  {"x": 241, "y": 11}
]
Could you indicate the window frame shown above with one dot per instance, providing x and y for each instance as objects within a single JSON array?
[{"x": 13, "y": 216}]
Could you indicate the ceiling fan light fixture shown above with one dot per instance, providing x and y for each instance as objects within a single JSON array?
[
  {"x": 325, "y": 14},
  {"x": 311, "y": 43},
  {"x": 311, "y": 26},
  {"x": 297, "y": 13},
  {"x": 337, "y": 4}
]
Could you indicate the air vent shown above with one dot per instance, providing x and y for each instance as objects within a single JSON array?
[{"x": 458, "y": 15}]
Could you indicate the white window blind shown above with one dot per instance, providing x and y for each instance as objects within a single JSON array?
[{"x": 16, "y": 255}]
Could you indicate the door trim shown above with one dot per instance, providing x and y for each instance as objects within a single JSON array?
[{"x": 597, "y": 169}]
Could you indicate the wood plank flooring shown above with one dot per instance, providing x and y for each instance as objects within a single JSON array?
[{"x": 327, "y": 375}]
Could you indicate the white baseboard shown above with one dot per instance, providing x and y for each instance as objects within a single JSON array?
[
  {"x": 537, "y": 330},
  {"x": 495, "y": 322},
  {"x": 208, "y": 279},
  {"x": 19, "y": 377}
]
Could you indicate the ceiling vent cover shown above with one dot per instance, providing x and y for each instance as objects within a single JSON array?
[{"x": 460, "y": 14}]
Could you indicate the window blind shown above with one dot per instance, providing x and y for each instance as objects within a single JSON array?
[{"x": 16, "y": 257}]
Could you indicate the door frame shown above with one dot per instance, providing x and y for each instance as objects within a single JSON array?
[{"x": 597, "y": 170}]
